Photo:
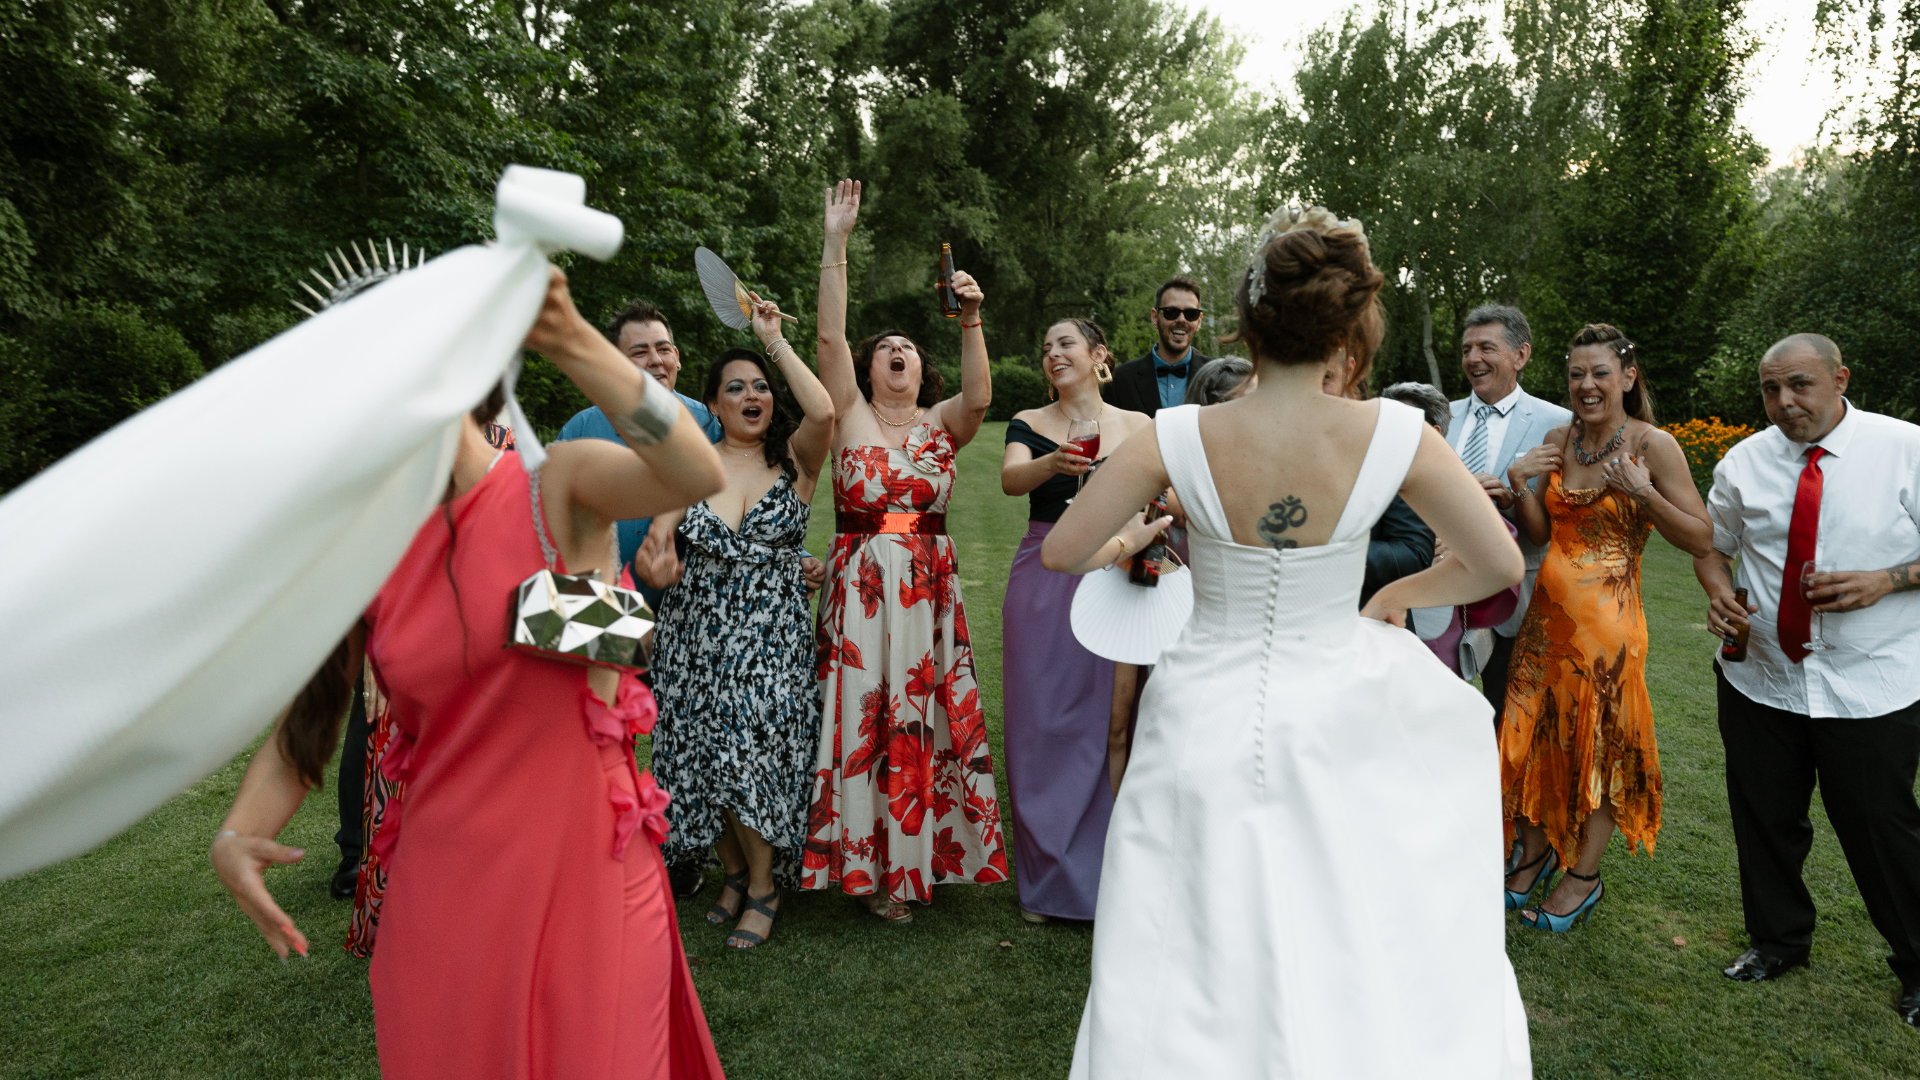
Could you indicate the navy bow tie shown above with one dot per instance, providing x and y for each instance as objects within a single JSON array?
[{"x": 1178, "y": 371}]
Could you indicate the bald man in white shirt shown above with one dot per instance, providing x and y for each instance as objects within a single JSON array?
[{"x": 1830, "y": 687}]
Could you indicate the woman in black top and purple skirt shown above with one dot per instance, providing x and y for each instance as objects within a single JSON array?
[{"x": 1055, "y": 695}]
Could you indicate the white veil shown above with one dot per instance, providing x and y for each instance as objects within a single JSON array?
[{"x": 170, "y": 586}]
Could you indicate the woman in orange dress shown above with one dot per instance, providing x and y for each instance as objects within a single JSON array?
[{"x": 1577, "y": 751}]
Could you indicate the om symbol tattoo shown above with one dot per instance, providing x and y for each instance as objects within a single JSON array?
[{"x": 1281, "y": 516}]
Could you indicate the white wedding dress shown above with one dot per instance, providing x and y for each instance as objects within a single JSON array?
[{"x": 1300, "y": 875}]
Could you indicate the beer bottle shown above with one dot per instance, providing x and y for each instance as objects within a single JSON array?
[
  {"x": 1735, "y": 648},
  {"x": 1146, "y": 565},
  {"x": 943, "y": 284}
]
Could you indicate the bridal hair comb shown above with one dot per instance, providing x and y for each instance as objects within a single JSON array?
[
  {"x": 348, "y": 282},
  {"x": 1288, "y": 219}
]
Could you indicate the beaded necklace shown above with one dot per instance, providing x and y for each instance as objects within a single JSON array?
[{"x": 1594, "y": 458}]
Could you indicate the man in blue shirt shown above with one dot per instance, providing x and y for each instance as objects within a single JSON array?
[
  {"x": 1158, "y": 380},
  {"x": 640, "y": 331}
]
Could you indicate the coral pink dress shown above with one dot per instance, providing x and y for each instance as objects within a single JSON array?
[{"x": 526, "y": 931}]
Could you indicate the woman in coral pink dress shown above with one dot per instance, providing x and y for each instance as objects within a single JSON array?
[
  {"x": 527, "y": 929},
  {"x": 903, "y": 795}
]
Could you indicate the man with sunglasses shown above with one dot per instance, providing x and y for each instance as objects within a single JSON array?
[{"x": 1159, "y": 379}]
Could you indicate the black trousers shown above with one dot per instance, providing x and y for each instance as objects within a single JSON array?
[
  {"x": 1865, "y": 769},
  {"x": 1493, "y": 677},
  {"x": 351, "y": 784}
]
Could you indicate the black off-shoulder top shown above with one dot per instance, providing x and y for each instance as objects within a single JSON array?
[{"x": 1048, "y": 501}]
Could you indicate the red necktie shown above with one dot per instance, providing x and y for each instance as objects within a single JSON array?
[{"x": 1796, "y": 618}]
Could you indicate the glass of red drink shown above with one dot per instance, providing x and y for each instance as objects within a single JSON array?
[{"x": 1083, "y": 438}]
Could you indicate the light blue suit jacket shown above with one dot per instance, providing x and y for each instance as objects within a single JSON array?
[{"x": 1527, "y": 427}]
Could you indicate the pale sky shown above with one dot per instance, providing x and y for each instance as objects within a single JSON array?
[{"x": 1788, "y": 90}]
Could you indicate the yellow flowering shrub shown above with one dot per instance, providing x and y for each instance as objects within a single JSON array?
[{"x": 1705, "y": 443}]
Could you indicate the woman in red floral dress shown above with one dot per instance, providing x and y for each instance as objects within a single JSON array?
[{"x": 903, "y": 794}]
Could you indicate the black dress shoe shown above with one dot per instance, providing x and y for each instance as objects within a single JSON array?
[
  {"x": 686, "y": 880},
  {"x": 1909, "y": 1007},
  {"x": 1756, "y": 966},
  {"x": 345, "y": 878}
]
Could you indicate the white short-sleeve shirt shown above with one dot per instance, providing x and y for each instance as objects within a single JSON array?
[{"x": 1869, "y": 520}]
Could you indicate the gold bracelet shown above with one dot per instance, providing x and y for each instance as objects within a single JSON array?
[{"x": 829, "y": 266}]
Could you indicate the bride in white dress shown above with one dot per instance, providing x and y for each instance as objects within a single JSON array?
[{"x": 1298, "y": 873}]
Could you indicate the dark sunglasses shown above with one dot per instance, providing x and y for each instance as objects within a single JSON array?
[{"x": 1191, "y": 314}]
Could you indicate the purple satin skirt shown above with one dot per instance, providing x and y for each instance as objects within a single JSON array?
[{"x": 1056, "y": 698}]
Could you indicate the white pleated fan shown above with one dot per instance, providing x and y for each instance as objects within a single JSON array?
[
  {"x": 723, "y": 289},
  {"x": 1128, "y": 623}
]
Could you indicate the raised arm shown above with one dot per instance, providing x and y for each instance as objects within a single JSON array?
[
  {"x": 1104, "y": 523},
  {"x": 836, "y": 358},
  {"x": 1482, "y": 558},
  {"x": 961, "y": 414},
  {"x": 808, "y": 444},
  {"x": 670, "y": 462},
  {"x": 1658, "y": 478}
]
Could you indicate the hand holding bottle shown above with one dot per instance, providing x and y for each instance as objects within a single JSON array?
[{"x": 968, "y": 292}]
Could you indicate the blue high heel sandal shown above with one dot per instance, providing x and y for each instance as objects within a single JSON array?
[
  {"x": 1516, "y": 899},
  {"x": 1560, "y": 924}
]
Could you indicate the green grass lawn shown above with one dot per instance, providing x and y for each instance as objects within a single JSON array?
[{"x": 130, "y": 961}]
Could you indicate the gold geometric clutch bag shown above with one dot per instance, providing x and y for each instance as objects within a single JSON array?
[
  {"x": 581, "y": 619},
  {"x": 577, "y": 617}
]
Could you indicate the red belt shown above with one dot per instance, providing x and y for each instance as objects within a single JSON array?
[{"x": 857, "y": 522}]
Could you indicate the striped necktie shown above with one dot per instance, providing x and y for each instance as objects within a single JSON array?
[{"x": 1474, "y": 454}]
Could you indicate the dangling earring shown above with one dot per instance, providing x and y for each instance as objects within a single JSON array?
[
  {"x": 1102, "y": 373},
  {"x": 1049, "y": 389}
]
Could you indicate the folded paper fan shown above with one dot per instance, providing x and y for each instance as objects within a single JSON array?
[
  {"x": 1128, "y": 623},
  {"x": 723, "y": 289}
]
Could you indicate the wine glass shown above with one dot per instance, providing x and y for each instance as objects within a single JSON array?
[
  {"x": 1083, "y": 438},
  {"x": 1819, "y": 641}
]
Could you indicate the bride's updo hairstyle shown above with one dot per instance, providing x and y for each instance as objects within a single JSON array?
[{"x": 1312, "y": 289}]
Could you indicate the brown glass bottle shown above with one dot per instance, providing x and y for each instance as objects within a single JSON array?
[
  {"x": 943, "y": 284},
  {"x": 1146, "y": 565},
  {"x": 1735, "y": 648}
]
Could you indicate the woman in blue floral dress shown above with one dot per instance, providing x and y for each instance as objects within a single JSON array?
[{"x": 733, "y": 671}]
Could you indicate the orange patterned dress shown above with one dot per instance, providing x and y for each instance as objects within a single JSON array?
[{"x": 1578, "y": 727}]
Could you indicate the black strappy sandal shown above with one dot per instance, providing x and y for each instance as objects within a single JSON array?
[
  {"x": 747, "y": 939},
  {"x": 720, "y": 916}
]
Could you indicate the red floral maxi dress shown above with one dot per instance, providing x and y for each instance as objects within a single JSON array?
[{"x": 903, "y": 795}]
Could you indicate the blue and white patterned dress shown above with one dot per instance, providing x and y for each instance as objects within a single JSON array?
[{"x": 733, "y": 674}]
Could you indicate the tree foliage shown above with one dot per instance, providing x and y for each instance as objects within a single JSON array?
[{"x": 169, "y": 169}]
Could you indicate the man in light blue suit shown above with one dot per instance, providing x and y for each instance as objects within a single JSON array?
[{"x": 1491, "y": 427}]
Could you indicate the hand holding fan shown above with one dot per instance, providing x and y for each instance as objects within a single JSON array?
[
  {"x": 724, "y": 292},
  {"x": 1127, "y": 623}
]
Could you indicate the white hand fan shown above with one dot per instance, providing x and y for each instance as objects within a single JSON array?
[
  {"x": 1128, "y": 623},
  {"x": 724, "y": 292}
]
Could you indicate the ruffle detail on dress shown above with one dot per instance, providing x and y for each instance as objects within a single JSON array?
[
  {"x": 930, "y": 450},
  {"x": 638, "y": 802},
  {"x": 653, "y": 809},
  {"x": 751, "y": 543},
  {"x": 645, "y": 809},
  {"x": 632, "y": 713}
]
